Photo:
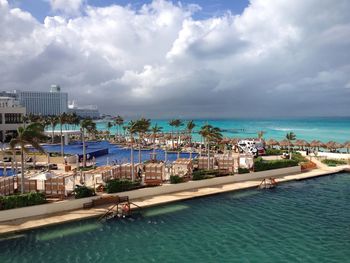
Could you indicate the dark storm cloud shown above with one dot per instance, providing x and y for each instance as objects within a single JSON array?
[{"x": 278, "y": 58}]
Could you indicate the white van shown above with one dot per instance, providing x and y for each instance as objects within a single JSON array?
[{"x": 255, "y": 148}]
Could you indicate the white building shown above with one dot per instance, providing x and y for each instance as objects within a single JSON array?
[
  {"x": 90, "y": 111},
  {"x": 11, "y": 113},
  {"x": 42, "y": 103}
]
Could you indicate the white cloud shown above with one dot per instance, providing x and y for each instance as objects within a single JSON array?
[
  {"x": 69, "y": 7},
  {"x": 160, "y": 61}
]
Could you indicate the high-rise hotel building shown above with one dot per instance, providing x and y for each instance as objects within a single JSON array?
[{"x": 42, "y": 103}]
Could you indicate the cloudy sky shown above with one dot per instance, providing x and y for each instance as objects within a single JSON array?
[{"x": 200, "y": 58}]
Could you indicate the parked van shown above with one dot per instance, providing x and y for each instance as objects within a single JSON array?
[{"x": 253, "y": 147}]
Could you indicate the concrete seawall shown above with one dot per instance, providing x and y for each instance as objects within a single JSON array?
[{"x": 67, "y": 205}]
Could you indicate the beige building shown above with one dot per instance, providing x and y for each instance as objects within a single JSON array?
[{"x": 11, "y": 113}]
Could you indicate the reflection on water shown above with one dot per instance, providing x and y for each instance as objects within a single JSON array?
[{"x": 65, "y": 231}]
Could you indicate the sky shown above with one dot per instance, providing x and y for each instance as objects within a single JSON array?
[{"x": 188, "y": 59}]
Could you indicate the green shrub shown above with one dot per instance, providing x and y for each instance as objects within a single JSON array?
[
  {"x": 120, "y": 185},
  {"x": 175, "y": 179},
  {"x": 271, "y": 151},
  {"x": 86, "y": 168},
  {"x": 21, "y": 200},
  {"x": 243, "y": 170},
  {"x": 204, "y": 174},
  {"x": 333, "y": 162},
  {"x": 83, "y": 191},
  {"x": 262, "y": 165},
  {"x": 298, "y": 157}
]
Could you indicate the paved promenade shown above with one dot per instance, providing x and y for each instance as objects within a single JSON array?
[{"x": 37, "y": 222}]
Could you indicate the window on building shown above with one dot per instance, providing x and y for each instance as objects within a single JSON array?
[{"x": 11, "y": 118}]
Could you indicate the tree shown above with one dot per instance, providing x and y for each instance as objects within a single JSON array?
[
  {"x": 53, "y": 120},
  {"x": 261, "y": 134},
  {"x": 290, "y": 136},
  {"x": 142, "y": 126},
  {"x": 132, "y": 128},
  {"x": 210, "y": 134},
  {"x": 109, "y": 126},
  {"x": 73, "y": 119},
  {"x": 190, "y": 126},
  {"x": 175, "y": 123},
  {"x": 87, "y": 125},
  {"x": 62, "y": 119},
  {"x": 119, "y": 121},
  {"x": 25, "y": 119},
  {"x": 155, "y": 130},
  {"x": 30, "y": 135}
]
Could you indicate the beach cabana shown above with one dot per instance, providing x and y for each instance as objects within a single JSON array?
[
  {"x": 55, "y": 187},
  {"x": 7, "y": 185},
  {"x": 29, "y": 185},
  {"x": 225, "y": 163},
  {"x": 203, "y": 163},
  {"x": 182, "y": 167},
  {"x": 154, "y": 173}
]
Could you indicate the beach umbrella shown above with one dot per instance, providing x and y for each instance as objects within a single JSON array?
[
  {"x": 316, "y": 143},
  {"x": 285, "y": 143},
  {"x": 347, "y": 146},
  {"x": 337, "y": 146},
  {"x": 272, "y": 142},
  {"x": 330, "y": 145}
]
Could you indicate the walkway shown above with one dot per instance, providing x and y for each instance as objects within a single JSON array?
[{"x": 37, "y": 222}]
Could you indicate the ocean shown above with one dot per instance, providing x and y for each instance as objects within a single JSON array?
[{"x": 323, "y": 129}]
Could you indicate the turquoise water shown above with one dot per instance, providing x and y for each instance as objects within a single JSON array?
[
  {"x": 323, "y": 129},
  {"x": 305, "y": 221}
]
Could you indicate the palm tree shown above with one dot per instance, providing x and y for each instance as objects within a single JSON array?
[
  {"x": 142, "y": 127},
  {"x": 73, "y": 119},
  {"x": 132, "y": 129},
  {"x": 119, "y": 121},
  {"x": 53, "y": 120},
  {"x": 109, "y": 126},
  {"x": 261, "y": 134},
  {"x": 87, "y": 125},
  {"x": 25, "y": 119},
  {"x": 210, "y": 134},
  {"x": 190, "y": 126},
  {"x": 30, "y": 135},
  {"x": 175, "y": 123},
  {"x": 62, "y": 119},
  {"x": 290, "y": 136},
  {"x": 155, "y": 130}
]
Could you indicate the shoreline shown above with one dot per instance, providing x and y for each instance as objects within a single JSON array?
[{"x": 29, "y": 223}]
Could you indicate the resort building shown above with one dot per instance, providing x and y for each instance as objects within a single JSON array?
[
  {"x": 90, "y": 111},
  {"x": 42, "y": 103},
  {"x": 11, "y": 113}
]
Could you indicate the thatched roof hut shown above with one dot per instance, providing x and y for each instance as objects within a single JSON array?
[
  {"x": 285, "y": 143},
  {"x": 316, "y": 143},
  {"x": 272, "y": 142}
]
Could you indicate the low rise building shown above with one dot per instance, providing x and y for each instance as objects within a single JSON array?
[
  {"x": 11, "y": 113},
  {"x": 90, "y": 111}
]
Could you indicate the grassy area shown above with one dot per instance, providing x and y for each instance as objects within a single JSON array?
[
  {"x": 263, "y": 165},
  {"x": 333, "y": 162}
]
